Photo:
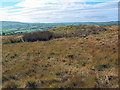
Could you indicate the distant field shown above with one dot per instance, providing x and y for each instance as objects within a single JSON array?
[
  {"x": 17, "y": 28},
  {"x": 84, "y": 57}
]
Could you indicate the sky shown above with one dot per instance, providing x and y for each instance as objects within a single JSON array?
[{"x": 56, "y": 11}]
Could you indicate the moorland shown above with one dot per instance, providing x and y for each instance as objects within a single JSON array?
[{"x": 73, "y": 56}]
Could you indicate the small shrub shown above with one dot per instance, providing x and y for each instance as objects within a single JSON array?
[
  {"x": 12, "y": 56},
  {"x": 52, "y": 53},
  {"x": 70, "y": 55},
  {"x": 11, "y": 84},
  {"x": 15, "y": 40},
  {"x": 101, "y": 67},
  {"x": 4, "y": 79},
  {"x": 49, "y": 57},
  {"x": 42, "y": 82},
  {"x": 72, "y": 84},
  {"x": 41, "y": 76},
  {"x": 83, "y": 63},
  {"x": 58, "y": 73},
  {"x": 12, "y": 77},
  {"x": 31, "y": 83},
  {"x": 41, "y": 36}
]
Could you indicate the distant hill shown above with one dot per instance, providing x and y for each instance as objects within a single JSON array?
[{"x": 9, "y": 27}]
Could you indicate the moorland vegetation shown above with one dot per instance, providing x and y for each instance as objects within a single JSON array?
[{"x": 84, "y": 56}]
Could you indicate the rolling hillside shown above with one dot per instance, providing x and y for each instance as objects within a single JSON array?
[
  {"x": 88, "y": 59},
  {"x": 17, "y": 28}
]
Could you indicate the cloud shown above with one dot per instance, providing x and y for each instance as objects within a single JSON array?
[
  {"x": 60, "y": 11},
  {"x": 11, "y": 0}
]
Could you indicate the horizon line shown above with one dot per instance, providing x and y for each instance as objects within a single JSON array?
[{"x": 63, "y": 22}]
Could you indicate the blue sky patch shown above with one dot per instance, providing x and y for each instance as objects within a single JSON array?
[{"x": 93, "y": 3}]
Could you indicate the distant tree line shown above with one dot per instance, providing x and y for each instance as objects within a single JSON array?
[{"x": 12, "y": 33}]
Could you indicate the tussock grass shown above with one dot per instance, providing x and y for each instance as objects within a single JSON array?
[{"x": 72, "y": 62}]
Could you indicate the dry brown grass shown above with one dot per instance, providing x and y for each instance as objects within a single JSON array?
[{"x": 88, "y": 62}]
